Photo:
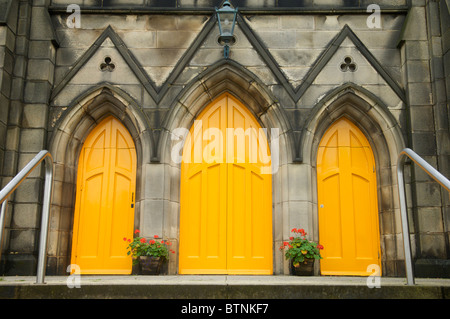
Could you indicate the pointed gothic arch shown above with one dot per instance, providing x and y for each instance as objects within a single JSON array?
[
  {"x": 372, "y": 116},
  {"x": 65, "y": 143},
  {"x": 385, "y": 137},
  {"x": 226, "y": 77}
]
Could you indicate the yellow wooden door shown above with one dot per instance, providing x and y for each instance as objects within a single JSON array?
[
  {"x": 104, "y": 209},
  {"x": 226, "y": 200},
  {"x": 347, "y": 198}
]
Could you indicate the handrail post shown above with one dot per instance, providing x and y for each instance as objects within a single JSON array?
[
  {"x": 11, "y": 187},
  {"x": 2, "y": 223},
  {"x": 45, "y": 218},
  {"x": 405, "y": 224},
  {"x": 438, "y": 177}
]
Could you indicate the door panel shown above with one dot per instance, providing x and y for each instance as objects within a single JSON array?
[
  {"x": 234, "y": 210},
  {"x": 250, "y": 199},
  {"x": 347, "y": 195},
  {"x": 203, "y": 208},
  {"x": 104, "y": 209}
]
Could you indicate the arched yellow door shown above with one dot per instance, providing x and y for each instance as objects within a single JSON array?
[
  {"x": 226, "y": 198},
  {"x": 347, "y": 198},
  {"x": 104, "y": 209}
]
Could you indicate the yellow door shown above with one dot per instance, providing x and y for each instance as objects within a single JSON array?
[
  {"x": 347, "y": 198},
  {"x": 226, "y": 198},
  {"x": 104, "y": 209}
]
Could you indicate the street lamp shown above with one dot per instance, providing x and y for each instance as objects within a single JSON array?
[{"x": 226, "y": 16}]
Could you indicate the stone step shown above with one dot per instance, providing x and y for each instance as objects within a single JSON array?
[{"x": 221, "y": 287}]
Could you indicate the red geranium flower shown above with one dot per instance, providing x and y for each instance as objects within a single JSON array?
[
  {"x": 299, "y": 248},
  {"x": 140, "y": 246}
]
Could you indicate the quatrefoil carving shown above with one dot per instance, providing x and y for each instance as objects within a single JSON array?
[{"x": 107, "y": 65}]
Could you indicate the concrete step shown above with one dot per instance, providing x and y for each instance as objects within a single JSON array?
[{"x": 221, "y": 287}]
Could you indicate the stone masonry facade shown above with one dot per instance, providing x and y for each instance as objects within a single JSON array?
[{"x": 155, "y": 64}]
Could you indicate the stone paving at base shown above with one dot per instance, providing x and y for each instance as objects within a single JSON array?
[
  {"x": 221, "y": 287},
  {"x": 223, "y": 280}
]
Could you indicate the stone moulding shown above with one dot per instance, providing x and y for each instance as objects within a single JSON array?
[
  {"x": 65, "y": 144},
  {"x": 126, "y": 54},
  {"x": 277, "y": 7},
  {"x": 385, "y": 136},
  {"x": 91, "y": 107},
  {"x": 225, "y": 76},
  {"x": 295, "y": 93},
  {"x": 156, "y": 93},
  {"x": 322, "y": 60},
  {"x": 372, "y": 107},
  {"x": 329, "y": 53},
  {"x": 5, "y": 6}
]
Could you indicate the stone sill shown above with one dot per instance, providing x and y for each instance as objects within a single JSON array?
[{"x": 244, "y": 10}]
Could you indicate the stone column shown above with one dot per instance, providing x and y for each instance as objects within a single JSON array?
[
  {"x": 428, "y": 131},
  {"x": 27, "y": 129},
  {"x": 14, "y": 44},
  {"x": 443, "y": 108}
]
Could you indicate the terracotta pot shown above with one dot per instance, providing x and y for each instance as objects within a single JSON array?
[
  {"x": 305, "y": 268},
  {"x": 149, "y": 265}
]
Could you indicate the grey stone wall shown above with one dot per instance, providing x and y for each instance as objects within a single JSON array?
[
  {"x": 18, "y": 236},
  {"x": 29, "y": 58},
  {"x": 285, "y": 66},
  {"x": 428, "y": 129},
  {"x": 444, "y": 12},
  {"x": 254, "y": 4},
  {"x": 7, "y": 43}
]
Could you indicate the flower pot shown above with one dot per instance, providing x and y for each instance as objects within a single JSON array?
[
  {"x": 306, "y": 268},
  {"x": 149, "y": 265}
]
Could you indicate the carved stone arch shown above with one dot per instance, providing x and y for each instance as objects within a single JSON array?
[
  {"x": 65, "y": 144},
  {"x": 369, "y": 113},
  {"x": 225, "y": 77},
  {"x": 385, "y": 136}
]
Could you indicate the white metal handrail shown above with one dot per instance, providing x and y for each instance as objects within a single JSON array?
[
  {"x": 438, "y": 177},
  {"x": 11, "y": 187}
]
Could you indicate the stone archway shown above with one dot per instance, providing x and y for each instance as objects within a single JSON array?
[
  {"x": 227, "y": 77},
  {"x": 65, "y": 144},
  {"x": 374, "y": 119}
]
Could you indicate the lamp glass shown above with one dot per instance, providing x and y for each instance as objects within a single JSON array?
[{"x": 227, "y": 19}]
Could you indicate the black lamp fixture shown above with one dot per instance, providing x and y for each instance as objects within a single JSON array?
[{"x": 226, "y": 16}]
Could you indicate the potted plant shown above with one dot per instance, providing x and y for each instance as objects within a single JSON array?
[
  {"x": 148, "y": 254},
  {"x": 302, "y": 253}
]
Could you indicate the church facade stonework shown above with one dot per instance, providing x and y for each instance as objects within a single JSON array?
[{"x": 337, "y": 89}]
